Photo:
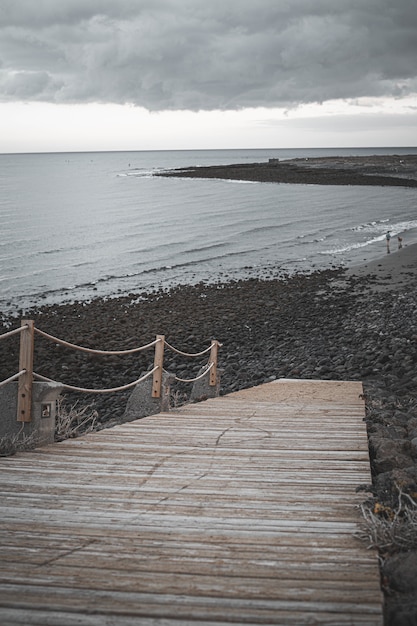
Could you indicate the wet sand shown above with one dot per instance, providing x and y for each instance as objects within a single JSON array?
[{"x": 396, "y": 270}]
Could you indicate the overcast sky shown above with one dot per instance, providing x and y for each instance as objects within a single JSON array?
[{"x": 179, "y": 74}]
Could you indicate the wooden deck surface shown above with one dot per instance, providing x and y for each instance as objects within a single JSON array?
[{"x": 237, "y": 510}]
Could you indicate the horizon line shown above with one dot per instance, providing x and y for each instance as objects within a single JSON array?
[{"x": 37, "y": 152}]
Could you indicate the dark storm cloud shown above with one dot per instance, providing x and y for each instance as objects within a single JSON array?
[{"x": 206, "y": 54}]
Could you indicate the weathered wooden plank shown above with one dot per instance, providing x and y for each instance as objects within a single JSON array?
[
  {"x": 192, "y": 505},
  {"x": 226, "y": 540},
  {"x": 194, "y": 558},
  {"x": 278, "y": 588},
  {"x": 249, "y": 496},
  {"x": 342, "y": 443},
  {"x": 22, "y": 617},
  {"x": 295, "y": 572},
  {"x": 173, "y": 606},
  {"x": 215, "y": 596}
]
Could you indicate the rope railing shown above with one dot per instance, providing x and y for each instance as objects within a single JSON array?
[
  {"x": 16, "y": 331},
  {"x": 193, "y": 380},
  {"x": 91, "y": 350},
  {"x": 11, "y": 333},
  {"x": 86, "y": 390},
  {"x": 25, "y": 376},
  {"x": 11, "y": 378},
  {"x": 195, "y": 354}
]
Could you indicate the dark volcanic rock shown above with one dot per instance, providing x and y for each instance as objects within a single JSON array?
[
  {"x": 400, "y": 571},
  {"x": 381, "y": 171}
]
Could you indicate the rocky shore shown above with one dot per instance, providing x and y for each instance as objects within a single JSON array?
[
  {"x": 381, "y": 170},
  {"x": 359, "y": 324}
]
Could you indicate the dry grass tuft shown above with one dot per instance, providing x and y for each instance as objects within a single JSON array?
[
  {"x": 9, "y": 445},
  {"x": 74, "y": 421},
  {"x": 390, "y": 530}
]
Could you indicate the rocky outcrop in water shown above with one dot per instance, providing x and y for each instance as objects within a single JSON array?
[{"x": 380, "y": 170}]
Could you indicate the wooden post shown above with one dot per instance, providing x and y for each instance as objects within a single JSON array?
[
  {"x": 213, "y": 360},
  {"x": 24, "y": 394},
  {"x": 159, "y": 363}
]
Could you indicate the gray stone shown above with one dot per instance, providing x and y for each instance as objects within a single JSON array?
[
  {"x": 141, "y": 403},
  {"x": 202, "y": 390},
  {"x": 401, "y": 571},
  {"x": 390, "y": 454}
]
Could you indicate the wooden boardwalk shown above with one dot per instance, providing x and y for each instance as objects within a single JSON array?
[{"x": 237, "y": 510}]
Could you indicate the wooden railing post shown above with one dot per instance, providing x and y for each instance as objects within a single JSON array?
[
  {"x": 158, "y": 363},
  {"x": 213, "y": 360},
  {"x": 24, "y": 394}
]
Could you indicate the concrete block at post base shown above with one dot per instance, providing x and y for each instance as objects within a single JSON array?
[
  {"x": 44, "y": 405},
  {"x": 41, "y": 428},
  {"x": 141, "y": 403},
  {"x": 202, "y": 390}
]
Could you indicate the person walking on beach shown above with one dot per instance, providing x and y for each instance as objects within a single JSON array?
[
  {"x": 388, "y": 238},
  {"x": 400, "y": 243}
]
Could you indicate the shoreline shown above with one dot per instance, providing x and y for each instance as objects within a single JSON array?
[{"x": 396, "y": 270}]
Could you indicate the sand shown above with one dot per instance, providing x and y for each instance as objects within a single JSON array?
[{"x": 396, "y": 270}]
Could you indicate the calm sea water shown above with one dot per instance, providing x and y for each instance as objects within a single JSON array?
[{"x": 80, "y": 225}]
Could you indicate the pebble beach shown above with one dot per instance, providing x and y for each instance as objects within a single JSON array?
[{"x": 338, "y": 324}]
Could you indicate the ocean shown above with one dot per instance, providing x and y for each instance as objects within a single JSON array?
[{"x": 77, "y": 226}]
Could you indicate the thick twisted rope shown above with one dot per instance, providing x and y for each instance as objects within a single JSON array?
[
  {"x": 192, "y": 380},
  {"x": 16, "y": 331},
  {"x": 85, "y": 390},
  {"x": 9, "y": 380},
  {"x": 90, "y": 350},
  {"x": 188, "y": 353}
]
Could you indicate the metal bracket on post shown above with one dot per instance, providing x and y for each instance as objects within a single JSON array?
[
  {"x": 158, "y": 363},
  {"x": 24, "y": 394},
  {"x": 213, "y": 363}
]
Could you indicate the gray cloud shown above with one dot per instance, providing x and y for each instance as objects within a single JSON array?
[{"x": 206, "y": 54}]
